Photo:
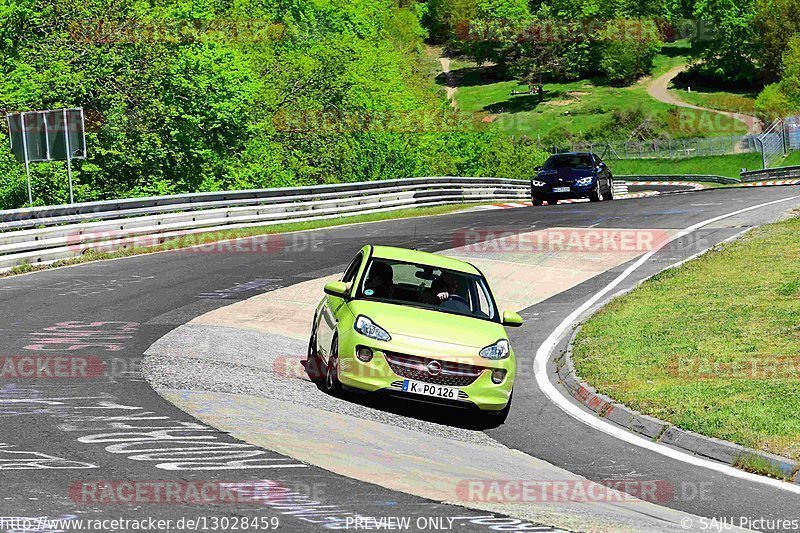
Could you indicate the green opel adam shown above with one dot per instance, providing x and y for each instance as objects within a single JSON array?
[{"x": 416, "y": 325}]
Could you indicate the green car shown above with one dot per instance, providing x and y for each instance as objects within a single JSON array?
[{"x": 416, "y": 325}]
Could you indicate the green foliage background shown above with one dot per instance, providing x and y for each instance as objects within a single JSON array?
[
  {"x": 195, "y": 110},
  {"x": 200, "y": 114}
]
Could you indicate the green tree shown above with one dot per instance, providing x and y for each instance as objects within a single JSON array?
[
  {"x": 625, "y": 57},
  {"x": 776, "y": 22},
  {"x": 783, "y": 98},
  {"x": 726, "y": 42},
  {"x": 445, "y": 18}
]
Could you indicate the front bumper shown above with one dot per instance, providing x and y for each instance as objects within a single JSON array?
[
  {"x": 575, "y": 191},
  {"x": 378, "y": 376}
]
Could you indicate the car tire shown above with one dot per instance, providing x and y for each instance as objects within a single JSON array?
[
  {"x": 537, "y": 201},
  {"x": 552, "y": 201},
  {"x": 595, "y": 195},
  {"x": 610, "y": 194},
  {"x": 313, "y": 360},
  {"x": 332, "y": 384}
]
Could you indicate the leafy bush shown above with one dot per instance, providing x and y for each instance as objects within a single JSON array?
[
  {"x": 783, "y": 98},
  {"x": 624, "y": 59}
]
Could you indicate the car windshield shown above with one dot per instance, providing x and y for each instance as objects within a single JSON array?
[
  {"x": 428, "y": 287},
  {"x": 568, "y": 161}
]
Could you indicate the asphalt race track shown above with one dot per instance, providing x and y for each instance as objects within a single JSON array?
[{"x": 58, "y": 434}]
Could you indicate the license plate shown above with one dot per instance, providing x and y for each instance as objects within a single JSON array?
[
  {"x": 560, "y": 189},
  {"x": 429, "y": 389}
]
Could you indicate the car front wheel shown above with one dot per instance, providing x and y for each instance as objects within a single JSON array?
[
  {"x": 313, "y": 360},
  {"x": 537, "y": 201},
  {"x": 332, "y": 383},
  {"x": 595, "y": 195},
  {"x": 610, "y": 194}
]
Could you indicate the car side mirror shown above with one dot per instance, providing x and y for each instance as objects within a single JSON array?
[
  {"x": 511, "y": 319},
  {"x": 336, "y": 288},
  {"x": 538, "y": 169}
]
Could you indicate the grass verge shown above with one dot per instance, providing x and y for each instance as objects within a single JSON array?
[
  {"x": 722, "y": 100},
  {"x": 581, "y": 109},
  {"x": 723, "y": 165},
  {"x": 178, "y": 243},
  {"x": 759, "y": 465},
  {"x": 712, "y": 346}
]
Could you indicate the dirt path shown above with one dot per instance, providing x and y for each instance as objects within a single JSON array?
[
  {"x": 449, "y": 88},
  {"x": 659, "y": 89}
]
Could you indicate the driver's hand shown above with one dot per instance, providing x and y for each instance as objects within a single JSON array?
[{"x": 443, "y": 295}]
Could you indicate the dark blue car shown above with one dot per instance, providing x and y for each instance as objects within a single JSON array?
[{"x": 572, "y": 175}]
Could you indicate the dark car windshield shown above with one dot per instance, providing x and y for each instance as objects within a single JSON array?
[
  {"x": 568, "y": 161},
  {"x": 428, "y": 287}
]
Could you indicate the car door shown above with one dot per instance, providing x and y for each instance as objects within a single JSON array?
[{"x": 331, "y": 306}]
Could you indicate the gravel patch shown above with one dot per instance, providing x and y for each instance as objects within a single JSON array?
[{"x": 238, "y": 361}]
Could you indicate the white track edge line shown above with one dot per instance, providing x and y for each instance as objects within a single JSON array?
[{"x": 542, "y": 379}]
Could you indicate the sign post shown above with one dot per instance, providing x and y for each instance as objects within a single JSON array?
[
  {"x": 69, "y": 158},
  {"x": 45, "y": 136},
  {"x": 27, "y": 161}
]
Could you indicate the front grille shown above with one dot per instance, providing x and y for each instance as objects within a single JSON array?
[{"x": 413, "y": 367}]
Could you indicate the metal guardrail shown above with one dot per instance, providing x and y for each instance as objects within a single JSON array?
[
  {"x": 47, "y": 234},
  {"x": 679, "y": 177},
  {"x": 778, "y": 173}
]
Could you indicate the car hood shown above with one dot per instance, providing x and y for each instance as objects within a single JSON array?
[
  {"x": 434, "y": 326},
  {"x": 564, "y": 174}
]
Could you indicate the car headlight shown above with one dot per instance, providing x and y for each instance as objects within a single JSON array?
[
  {"x": 584, "y": 181},
  {"x": 537, "y": 183},
  {"x": 370, "y": 329},
  {"x": 498, "y": 350}
]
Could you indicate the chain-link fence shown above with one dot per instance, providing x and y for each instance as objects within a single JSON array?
[
  {"x": 778, "y": 139},
  {"x": 668, "y": 149},
  {"x": 774, "y": 144}
]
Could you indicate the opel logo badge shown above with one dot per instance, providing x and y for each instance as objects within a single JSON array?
[{"x": 434, "y": 368}]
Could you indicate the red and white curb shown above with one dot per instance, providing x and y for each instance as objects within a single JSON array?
[
  {"x": 771, "y": 182},
  {"x": 513, "y": 205},
  {"x": 694, "y": 185}
]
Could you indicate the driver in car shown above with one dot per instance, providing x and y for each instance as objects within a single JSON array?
[
  {"x": 380, "y": 279},
  {"x": 449, "y": 287},
  {"x": 449, "y": 297}
]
